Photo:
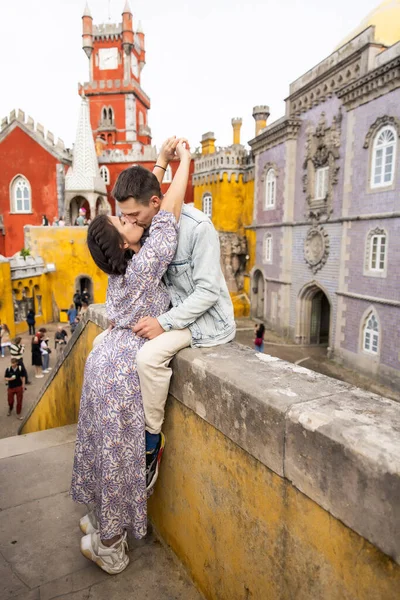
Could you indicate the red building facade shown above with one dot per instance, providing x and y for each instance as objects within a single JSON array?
[{"x": 31, "y": 178}]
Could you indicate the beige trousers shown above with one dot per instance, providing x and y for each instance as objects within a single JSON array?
[{"x": 155, "y": 373}]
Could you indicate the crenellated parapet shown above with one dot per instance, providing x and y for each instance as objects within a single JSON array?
[{"x": 37, "y": 131}]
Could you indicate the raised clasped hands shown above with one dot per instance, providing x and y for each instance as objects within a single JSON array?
[{"x": 169, "y": 149}]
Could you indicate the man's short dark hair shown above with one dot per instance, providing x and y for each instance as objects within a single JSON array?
[{"x": 138, "y": 183}]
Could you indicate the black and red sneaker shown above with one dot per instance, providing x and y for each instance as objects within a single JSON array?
[{"x": 153, "y": 460}]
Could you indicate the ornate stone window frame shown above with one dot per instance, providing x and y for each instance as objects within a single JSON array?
[
  {"x": 267, "y": 168},
  {"x": 321, "y": 150},
  {"x": 369, "y": 314},
  {"x": 368, "y": 270},
  {"x": 13, "y": 199}
]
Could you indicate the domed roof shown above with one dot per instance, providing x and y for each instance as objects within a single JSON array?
[{"x": 386, "y": 18}]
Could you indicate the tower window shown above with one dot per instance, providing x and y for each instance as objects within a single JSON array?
[
  {"x": 168, "y": 175},
  {"x": 21, "y": 198},
  {"x": 267, "y": 250},
  {"x": 383, "y": 158},
  {"x": 270, "y": 189},
  {"x": 105, "y": 174},
  {"x": 321, "y": 183},
  {"x": 207, "y": 205}
]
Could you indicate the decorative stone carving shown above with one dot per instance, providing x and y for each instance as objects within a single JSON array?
[
  {"x": 321, "y": 150},
  {"x": 381, "y": 122},
  {"x": 316, "y": 248},
  {"x": 233, "y": 259}
]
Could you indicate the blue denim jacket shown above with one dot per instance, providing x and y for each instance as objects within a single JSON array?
[{"x": 196, "y": 285}]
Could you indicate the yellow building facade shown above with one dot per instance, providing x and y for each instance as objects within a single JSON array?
[
  {"x": 45, "y": 281},
  {"x": 223, "y": 184}
]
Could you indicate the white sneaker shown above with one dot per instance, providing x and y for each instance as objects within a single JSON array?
[
  {"x": 88, "y": 523},
  {"x": 45, "y": 371},
  {"x": 49, "y": 369},
  {"x": 112, "y": 560},
  {"x": 39, "y": 376}
]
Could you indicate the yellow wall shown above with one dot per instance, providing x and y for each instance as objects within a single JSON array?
[
  {"x": 245, "y": 533},
  {"x": 59, "y": 404},
  {"x": 66, "y": 248},
  {"x": 34, "y": 286},
  {"x": 232, "y": 211},
  {"x": 242, "y": 531},
  {"x": 6, "y": 304}
]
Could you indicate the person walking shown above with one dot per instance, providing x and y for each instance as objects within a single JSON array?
[
  {"x": 30, "y": 319},
  {"x": 15, "y": 379},
  {"x": 17, "y": 350},
  {"x": 45, "y": 352},
  {"x": 77, "y": 299},
  {"x": 37, "y": 355},
  {"x": 5, "y": 339},
  {"x": 259, "y": 331},
  {"x": 60, "y": 340},
  {"x": 61, "y": 222}
]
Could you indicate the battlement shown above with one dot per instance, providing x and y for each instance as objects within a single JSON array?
[
  {"x": 37, "y": 131},
  {"x": 107, "y": 31},
  {"x": 233, "y": 160}
]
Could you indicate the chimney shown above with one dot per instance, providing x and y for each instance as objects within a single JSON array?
[
  {"x": 87, "y": 32},
  {"x": 208, "y": 143},
  {"x": 236, "y": 124},
  {"x": 260, "y": 114}
]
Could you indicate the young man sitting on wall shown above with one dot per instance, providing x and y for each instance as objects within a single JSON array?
[{"x": 202, "y": 310}]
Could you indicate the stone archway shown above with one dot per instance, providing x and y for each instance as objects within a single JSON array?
[
  {"x": 313, "y": 318},
  {"x": 102, "y": 206},
  {"x": 258, "y": 295},
  {"x": 75, "y": 204},
  {"x": 84, "y": 282}
]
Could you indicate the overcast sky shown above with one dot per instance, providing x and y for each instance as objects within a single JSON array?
[{"x": 207, "y": 60}]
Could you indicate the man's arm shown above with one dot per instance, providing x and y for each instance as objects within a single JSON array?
[{"x": 206, "y": 277}]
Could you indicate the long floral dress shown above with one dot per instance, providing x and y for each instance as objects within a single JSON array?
[{"x": 109, "y": 465}]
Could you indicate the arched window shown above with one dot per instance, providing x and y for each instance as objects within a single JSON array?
[
  {"x": 105, "y": 174},
  {"x": 383, "y": 157},
  {"x": 21, "y": 198},
  {"x": 371, "y": 334},
  {"x": 207, "y": 205},
  {"x": 270, "y": 189},
  {"x": 110, "y": 115},
  {"x": 267, "y": 248},
  {"x": 104, "y": 114},
  {"x": 376, "y": 252},
  {"x": 168, "y": 175},
  {"x": 141, "y": 118}
]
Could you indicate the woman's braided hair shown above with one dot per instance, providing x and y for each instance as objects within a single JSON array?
[{"x": 106, "y": 246}]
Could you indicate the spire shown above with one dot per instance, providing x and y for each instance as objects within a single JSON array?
[
  {"x": 84, "y": 175},
  {"x": 127, "y": 8},
  {"x": 86, "y": 12}
]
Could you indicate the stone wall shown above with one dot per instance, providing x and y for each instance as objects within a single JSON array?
[{"x": 277, "y": 482}]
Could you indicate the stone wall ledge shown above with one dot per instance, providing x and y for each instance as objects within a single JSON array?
[{"x": 337, "y": 444}]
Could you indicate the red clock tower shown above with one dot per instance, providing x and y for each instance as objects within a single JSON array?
[{"x": 118, "y": 105}]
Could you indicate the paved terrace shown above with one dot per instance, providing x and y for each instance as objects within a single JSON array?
[{"x": 39, "y": 533}]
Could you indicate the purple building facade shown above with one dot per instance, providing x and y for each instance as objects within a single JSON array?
[{"x": 327, "y": 210}]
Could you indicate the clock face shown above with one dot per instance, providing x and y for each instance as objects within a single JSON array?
[
  {"x": 108, "y": 58},
  {"x": 134, "y": 65}
]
